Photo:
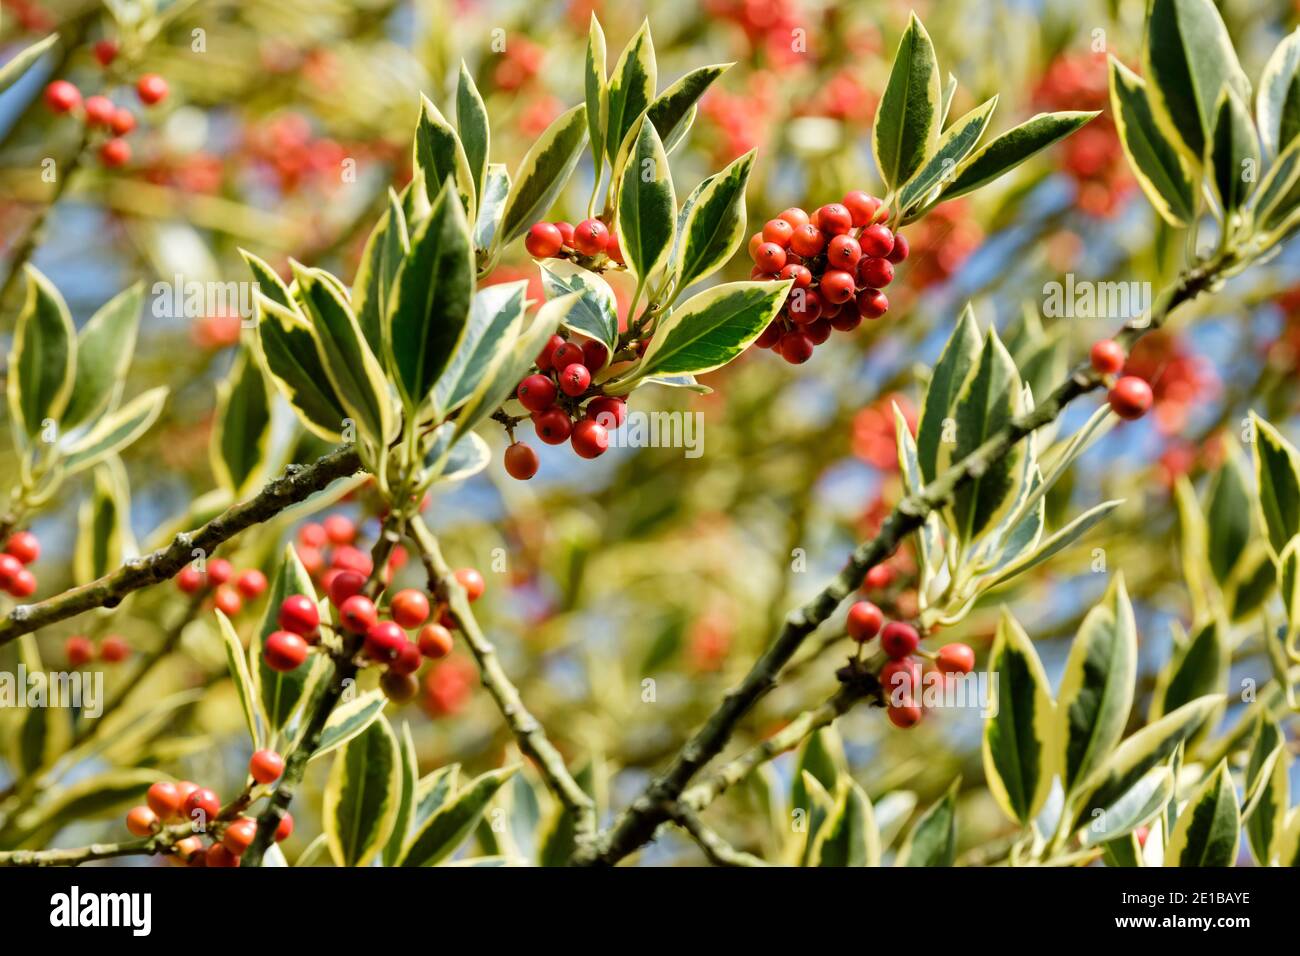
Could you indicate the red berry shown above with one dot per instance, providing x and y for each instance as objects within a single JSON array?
[
  {"x": 228, "y": 601},
  {"x": 553, "y": 426},
  {"x": 590, "y": 439},
  {"x": 800, "y": 274},
  {"x": 340, "y": 529},
  {"x": 79, "y": 651},
  {"x": 202, "y": 806},
  {"x": 872, "y": 303},
  {"x": 901, "y": 679},
  {"x": 114, "y": 649},
  {"x": 266, "y": 766},
  {"x": 544, "y": 356},
  {"x": 24, "y": 584},
  {"x": 141, "y": 821},
  {"x": 900, "y": 250},
  {"x": 345, "y": 584},
  {"x": 864, "y": 621},
  {"x": 24, "y": 546},
  {"x": 877, "y": 240},
  {"x": 299, "y": 615},
  {"x": 521, "y": 461},
  {"x": 818, "y": 331},
  {"x": 796, "y": 347},
  {"x": 834, "y": 219},
  {"x": 590, "y": 237},
  {"x": 881, "y": 576},
  {"x": 807, "y": 241},
  {"x": 543, "y": 240},
  {"x": 778, "y": 231},
  {"x": 10, "y": 568},
  {"x": 905, "y": 715},
  {"x": 1107, "y": 356},
  {"x": 565, "y": 355},
  {"x": 99, "y": 110},
  {"x": 251, "y": 583},
  {"x": 384, "y": 641},
  {"x": 410, "y": 608},
  {"x": 566, "y": 232},
  {"x": 408, "y": 660},
  {"x": 843, "y": 252},
  {"x": 105, "y": 51},
  {"x": 313, "y": 535},
  {"x": 770, "y": 335},
  {"x": 219, "y": 571},
  {"x": 398, "y": 687},
  {"x": 357, "y": 614},
  {"x": 1130, "y": 398},
  {"x": 899, "y": 639},
  {"x": 218, "y": 857},
  {"x": 846, "y": 320},
  {"x": 285, "y": 828},
  {"x": 284, "y": 651},
  {"x": 955, "y": 659},
  {"x": 183, "y": 790},
  {"x": 594, "y": 355},
  {"x": 239, "y": 835},
  {"x": 115, "y": 153},
  {"x": 608, "y": 411},
  {"x": 62, "y": 97},
  {"x": 435, "y": 641},
  {"x": 861, "y": 206},
  {"x": 795, "y": 216},
  {"x": 769, "y": 257},
  {"x": 348, "y": 558},
  {"x": 755, "y": 241},
  {"x": 614, "y": 250},
  {"x": 574, "y": 380},
  {"x": 875, "y": 273},
  {"x": 164, "y": 799},
  {"x": 837, "y": 285},
  {"x": 151, "y": 88}
]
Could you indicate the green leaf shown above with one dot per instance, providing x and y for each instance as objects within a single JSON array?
[
  {"x": 1289, "y": 843},
  {"x": 1138, "y": 754},
  {"x": 1012, "y": 148},
  {"x": 42, "y": 358},
  {"x": 281, "y": 692},
  {"x": 452, "y": 822},
  {"x": 104, "y": 538},
  {"x": 1097, "y": 689},
  {"x": 1277, "y": 476},
  {"x": 1279, "y": 193},
  {"x": 1267, "y": 790},
  {"x": 495, "y": 313},
  {"x": 954, "y": 365},
  {"x": 558, "y": 839},
  {"x": 439, "y": 155},
  {"x": 267, "y": 281},
  {"x": 821, "y": 757},
  {"x": 472, "y": 127},
  {"x": 491, "y": 205},
  {"x": 348, "y": 720},
  {"x": 647, "y": 205},
  {"x": 597, "y": 94},
  {"x": 906, "y": 126},
  {"x": 849, "y": 837},
  {"x": 711, "y": 328},
  {"x": 241, "y": 432},
  {"x": 240, "y": 677},
  {"x": 1208, "y": 829},
  {"x": 1187, "y": 60},
  {"x": 1155, "y": 162},
  {"x": 114, "y": 431},
  {"x": 1055, "y": 543},
  {"x": 713, "y": 225},
  {"x": 957, "y": 141},
  {"x": 362, "y": 795},
  {"x": 46, "y": 731},
  {"x": 1019, "y": 747},
  {"x": 932, "y": 841},
  {"x": 376, "y": 280},
  {"x": 1228, "y": 518},
  {"x": 818, "y": 804},
  {"x": 1277, "y": 104},
  {"x": 431, "y": 309},
  {"x": 289, "y": 356},
  {"x": 1197, "y": 668},
  {"x": 23, "y": 60},
  {"x": 455, "y": 455},
  {"x": 432, "y": 791},
  {"x": 631, "y": 87},
  {"x": 1143, "y": 802},
  {"x": 674, "y": 109},
  {"x": 1232, "y": 154},
  {"x": 105, "y": 346},
  {"x": 986, "y": 402},
  {"x": 92, "y": 797},
  {"x": 542, "y": 174},
  {"x": 595, "y": 313},
  {"x": 406, "y": 804}
]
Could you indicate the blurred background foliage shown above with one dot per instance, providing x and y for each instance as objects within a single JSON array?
[{"x": 288, "y": 120}]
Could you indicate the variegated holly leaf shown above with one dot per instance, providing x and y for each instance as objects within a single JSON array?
[
  {"x": 906, "y": 126},
  {"x": 1157, "y": 164},
  {"x": 1208, "y": 831},
  {"x": 362, "y": 795}
]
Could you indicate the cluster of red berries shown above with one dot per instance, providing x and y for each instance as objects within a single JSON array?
[
  {"x": 328, "y": 548},
  {"x": 1130, "y": 397},
  {"x": 16, "y": 578},
  {"x": 564, "y": 405},
  {"x": 385, "y": 642},
  {"x": 902, "y": 672},
  {"x": 101, "y": 112},
  {"x": 167, "y": 803},
  {"x": 839, "y": 259},
  {"x": 80, "y": 650},
  {"x": 229, "y": 590},
  {"x": 589, "y": 239}
]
